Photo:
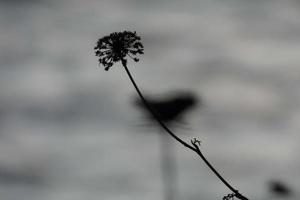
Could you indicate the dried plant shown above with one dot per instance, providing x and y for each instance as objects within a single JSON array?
[{"x": 116, "y": 47}]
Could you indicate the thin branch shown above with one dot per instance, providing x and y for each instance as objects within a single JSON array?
[{"x": 195, "y": 142}]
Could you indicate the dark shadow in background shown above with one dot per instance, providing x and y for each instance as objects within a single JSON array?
[
  {"x": 280, "y": 189},
  {"x": 20, "y": 1},
  {"x": 170, "y": 109},
  {"x": 20, "y": 176}
]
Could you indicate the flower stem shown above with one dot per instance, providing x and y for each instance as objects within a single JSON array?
[{"x": 194, "y": 148}]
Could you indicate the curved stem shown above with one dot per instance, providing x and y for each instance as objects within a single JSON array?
[
  {"x": 152, "y": 111},
  {"x": 194, "y": 148}
]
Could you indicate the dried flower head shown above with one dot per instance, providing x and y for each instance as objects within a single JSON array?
[{"x": 116, "y": 46}]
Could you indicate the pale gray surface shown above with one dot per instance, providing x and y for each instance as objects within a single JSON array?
[{"x": 68, "y": 130}]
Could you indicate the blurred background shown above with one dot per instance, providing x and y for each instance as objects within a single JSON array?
[{"x": 69, "y": 129}]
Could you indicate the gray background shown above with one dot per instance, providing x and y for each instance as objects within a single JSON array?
[{"x": 69, "y": 131}]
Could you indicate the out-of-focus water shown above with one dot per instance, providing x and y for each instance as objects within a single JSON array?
[{"x": 69, "y": 131}]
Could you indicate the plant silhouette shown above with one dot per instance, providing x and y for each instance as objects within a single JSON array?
[
  {"x": 117, "y": 47},
  {"x": 170, "y": 110}
]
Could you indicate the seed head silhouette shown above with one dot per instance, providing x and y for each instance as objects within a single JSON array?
[{"x": 116, "y": 46}]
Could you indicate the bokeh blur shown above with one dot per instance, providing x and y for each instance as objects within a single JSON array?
[{"x": 69, "y": 131}]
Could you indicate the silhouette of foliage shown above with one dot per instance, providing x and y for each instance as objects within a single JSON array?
[
  {"x": 116, "y": 46},
  {"x": 169, "y": 109},
  {"x": 229, "y": 196}
]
